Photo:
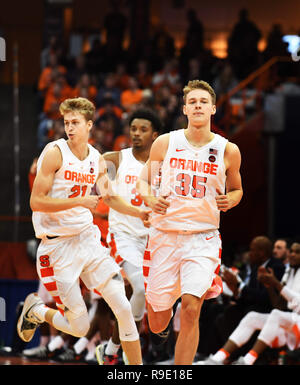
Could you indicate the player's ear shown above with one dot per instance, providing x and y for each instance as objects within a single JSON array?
[
  {"x": 213, "y": 110},
  {"x": 184, "y": 109}
]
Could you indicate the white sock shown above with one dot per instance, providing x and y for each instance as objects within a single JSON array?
[
  {"x": 39, "y": 311},
  {"x": 56, "y": 343},
  {"x": 220, "y": 356},
  {"x": 250, "y": 359},
  {"x": 111, "y": 348},
  {"x": 80, "y": 345}
]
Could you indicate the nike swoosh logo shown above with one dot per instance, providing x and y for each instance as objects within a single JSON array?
[
  {"x": 177, "y": 149},
  {"x": 71, "y": 164},
  {"x": 209, "y": 238}
]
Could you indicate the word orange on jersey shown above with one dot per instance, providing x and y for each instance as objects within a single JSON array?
[
  {"x": 194, "y": 165},
  {"x": 131, "y": 179},
  {"x": 79, "y": 177}
]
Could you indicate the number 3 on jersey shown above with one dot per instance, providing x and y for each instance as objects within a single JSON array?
[
  {"x": 77, "y": 190},
  {"x": 191, "y": 186}
]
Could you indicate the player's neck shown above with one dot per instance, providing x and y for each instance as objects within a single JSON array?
[
  {"x": 141, "y": 155},
  {"x": 198, "y": 136},
  {"x": 81, "y": 150}
]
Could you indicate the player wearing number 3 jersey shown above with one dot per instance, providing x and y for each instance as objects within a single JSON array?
[
  {"x": 70, "y": 247},
  {"x": 199, "y": 178},
  {"x": 127, "y": 236}
]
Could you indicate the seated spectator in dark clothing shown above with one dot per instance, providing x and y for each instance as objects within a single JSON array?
[
  {"x": 248, "y": 295},
  {"x": 77, "y": 70},
  {"x": 108, "y": 89}
]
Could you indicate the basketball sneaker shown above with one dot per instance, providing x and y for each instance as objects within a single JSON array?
[
  {"x": 28, "y": 322},
  {"x": 105, "y": 359}
]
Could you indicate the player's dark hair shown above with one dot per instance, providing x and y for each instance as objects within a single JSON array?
[{"x": 148, "y": 114}]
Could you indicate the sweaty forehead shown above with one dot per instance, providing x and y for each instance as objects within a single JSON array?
[{"x": 296, "y": 247}]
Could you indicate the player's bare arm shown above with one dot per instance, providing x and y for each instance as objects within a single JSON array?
[
  {"x": 234, "y": 190},
  {"x": 113, "y": 159},
  {"x": 40, "y": 201},
  {"x": 115, "y": 201},
  {"x": 157, "y": 153}
]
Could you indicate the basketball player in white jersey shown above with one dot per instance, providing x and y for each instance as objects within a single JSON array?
[
  {"x": 127, "y": 236},
  {"x": 70, "y": 246},
  {"x": 199, "y": 178}
]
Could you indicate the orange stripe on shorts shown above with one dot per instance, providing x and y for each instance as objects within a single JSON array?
[
  {"x": 51, "y": 286},
  {"x": 47, "y": 272}
]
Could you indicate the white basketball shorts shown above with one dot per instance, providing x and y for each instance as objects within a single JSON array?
[
  {"x": 177, "y": 264},
  {"x": 63, "y": 260}
]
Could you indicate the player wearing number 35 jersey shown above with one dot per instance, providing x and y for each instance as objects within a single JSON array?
[{"x": 199, "y": 178}]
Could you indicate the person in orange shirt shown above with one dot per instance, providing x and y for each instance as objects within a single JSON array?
[
  {"x": 84, "y": 83},
  {"x": 132, "y": 96},
  {"x": 49, "y": 73}
]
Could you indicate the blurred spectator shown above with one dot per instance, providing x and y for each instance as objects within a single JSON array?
[
  {"x": 52, "y": 48},
  {"x": 163, "y": 47},
  {"x": 96, "y": 58},
  {"x": 167, "y": 76},
  {"x": 143, "y": 74},
  {"x": 122, "y": 76},
  {"x": 49, "y": 73},
  {"x": 243, "y": 53},
  {"x": 194, "y": 33},
  {"x": 225, "y": 80},
  {"x": 77, "y": 70},
  {"x": 115, "y": 24},
  {"x": 248, "y": 295},
  {"x": 122, "y": 141},
  {"x": 281, "y": 250},
  {"x": 84, "y": 82},
  {"x": 131, "y": 96},
  {"x": 112, "y": 112},
  {"x": 108, "y": 89},
  {"x": 275, "y": 45},
  {"x": 59, "y": 91}
]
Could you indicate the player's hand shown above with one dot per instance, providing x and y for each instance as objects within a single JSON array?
[
  {"x": 145, "y": 217},
  {"x": 158, "y": 204},
  {"x": 222, "y": 201},
  {"x": 90, "y": 201}
]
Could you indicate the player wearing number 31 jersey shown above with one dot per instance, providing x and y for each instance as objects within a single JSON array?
[{"x": 199, "y": 177}]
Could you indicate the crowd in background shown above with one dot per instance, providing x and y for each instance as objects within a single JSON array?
[{"x": 118, "y": 80}]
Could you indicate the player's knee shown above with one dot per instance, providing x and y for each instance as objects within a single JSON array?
[
  {"x": 250, "y": 319},
  {"x": 189, "y": 313},
  {"x": 80, "y": 326},
  {"x": 274, "y": 315}
]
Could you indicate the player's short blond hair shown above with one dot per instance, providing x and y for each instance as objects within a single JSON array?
[
  {"x": 199, "y": 84},
  {"x": 81, "y": 105}
]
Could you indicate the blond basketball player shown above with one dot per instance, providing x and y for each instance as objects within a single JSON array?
[
  {"x": 127, "y": 237},
  {"x": 199, "y": 178},
  {"x": 70, "y": 245}
]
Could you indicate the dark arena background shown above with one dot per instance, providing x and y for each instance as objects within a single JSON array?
[{"x": 249, "y": 51}]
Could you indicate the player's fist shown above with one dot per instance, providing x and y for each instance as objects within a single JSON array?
[{"x": 90, "y": 201}]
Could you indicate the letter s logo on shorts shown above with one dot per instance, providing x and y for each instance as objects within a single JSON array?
[{"x": 44, "y": 261}]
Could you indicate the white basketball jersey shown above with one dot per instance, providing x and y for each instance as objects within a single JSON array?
[
  {"x": 189, "y": 178},
  {"x": 75, "y": 178},
  {"x": 125, "y": 186}
]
